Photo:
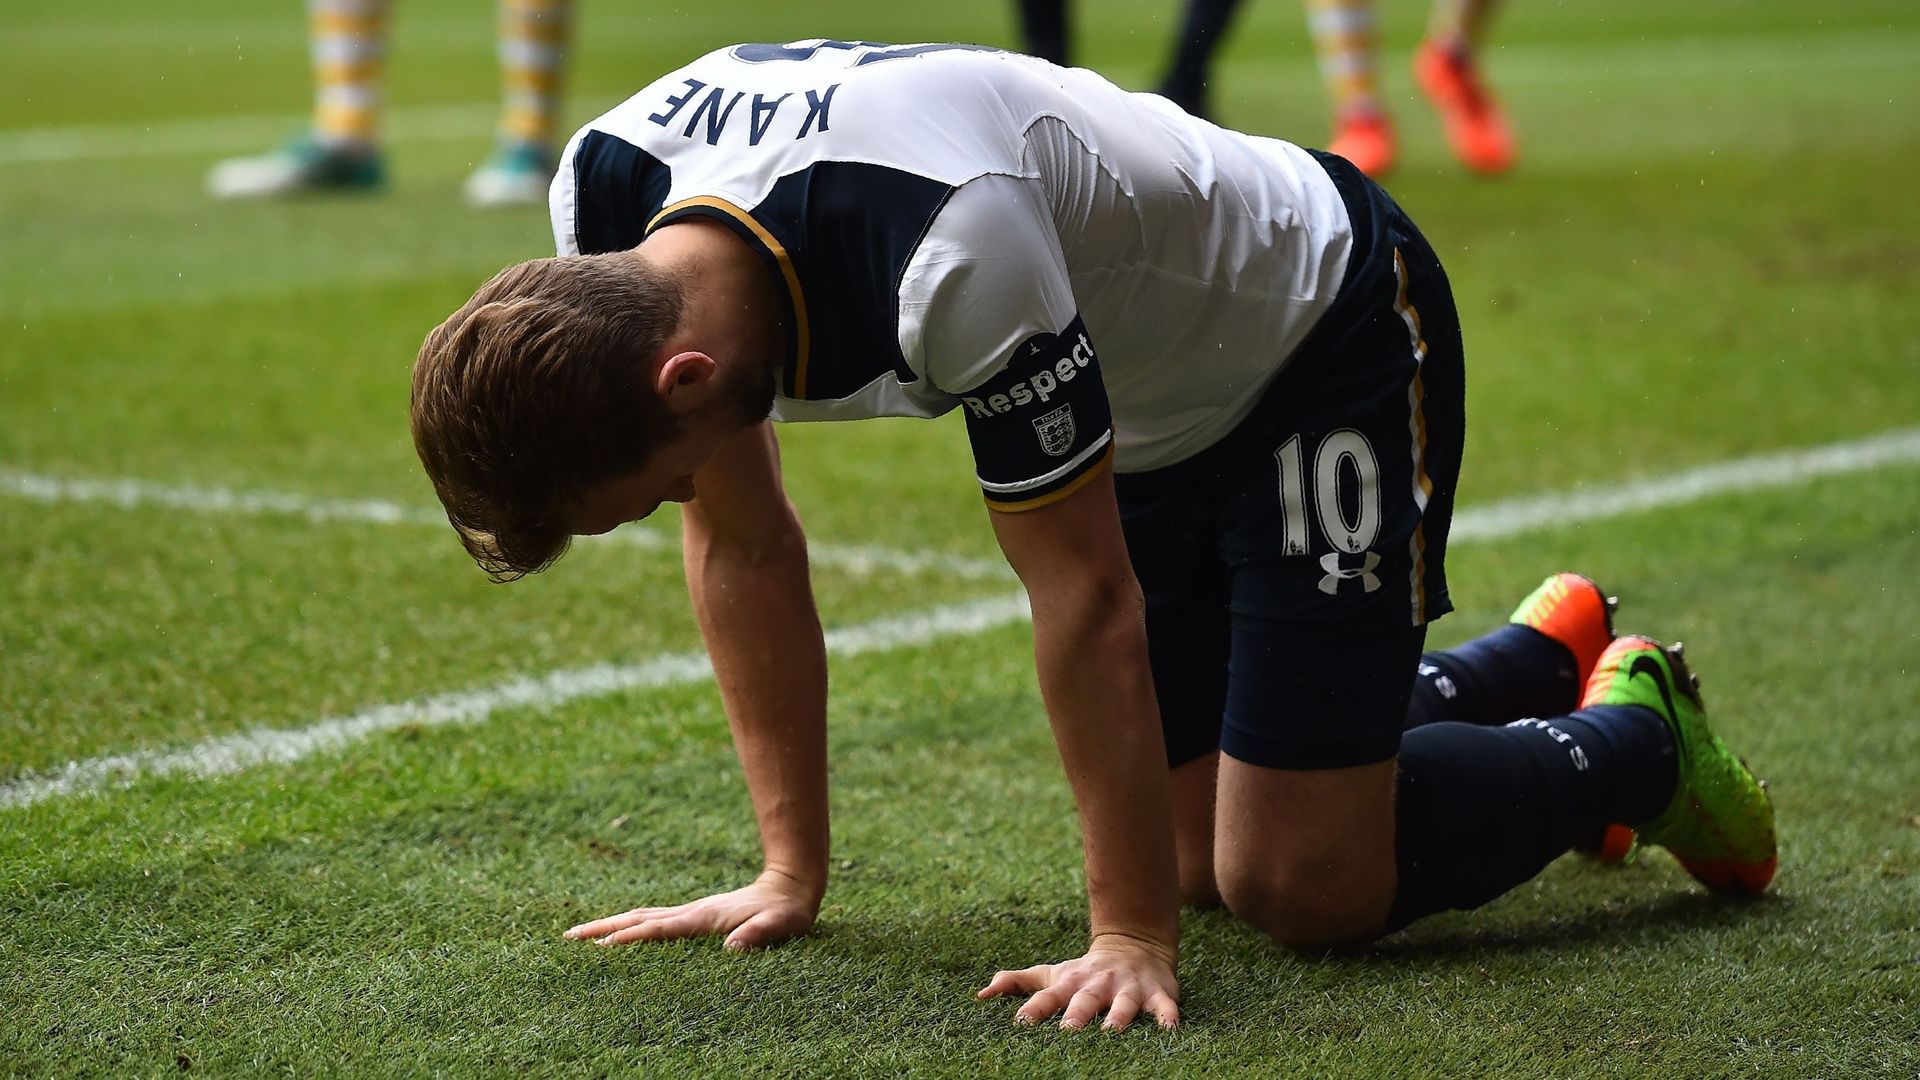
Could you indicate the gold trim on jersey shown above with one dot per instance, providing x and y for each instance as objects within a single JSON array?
[
  {"x": 1052, "y": 497},
  {"x": 801, "y": 333},
  {"x": 1417, "y": 431}
]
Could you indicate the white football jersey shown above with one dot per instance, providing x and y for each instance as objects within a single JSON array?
[{"x": 1088, "y": 272}]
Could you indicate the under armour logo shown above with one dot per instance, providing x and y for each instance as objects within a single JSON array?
[{"x": 1330, "y": 562}]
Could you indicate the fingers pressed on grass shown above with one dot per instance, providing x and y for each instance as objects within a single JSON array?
[
  {"x": 1125, "y": 1007},
  {"x": 1042, "y": 1005},
  {"x": 766, "y": 928},
  {"x": 1164, "y": 1010},
  {"x": 1083, "y": 1008},
  {"x": 749, "y": 937},
  {"x": 602, "y": 927},
  {"x": 652, "y": 930},
  {"x": 1023, "y": 981}
]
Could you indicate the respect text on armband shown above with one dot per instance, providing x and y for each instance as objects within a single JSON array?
[{"x": 1042, "y": 384}]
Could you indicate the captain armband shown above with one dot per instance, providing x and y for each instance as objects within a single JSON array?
[{"x": 1041, "y": 426}]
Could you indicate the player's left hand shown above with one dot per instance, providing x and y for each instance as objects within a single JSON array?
[
  {"x": 773, "y": 909},
  {"x": 1120, "y": 976}
]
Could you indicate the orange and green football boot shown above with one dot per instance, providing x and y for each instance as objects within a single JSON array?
[
  {"x": 1720, "y": 821},
  {"x": 1577, "y": 613}
]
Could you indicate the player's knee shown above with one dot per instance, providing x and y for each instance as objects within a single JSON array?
[{"x": 1310, "y": 906}]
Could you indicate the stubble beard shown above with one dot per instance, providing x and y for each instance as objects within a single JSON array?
[{"x": 750, "y": 398}]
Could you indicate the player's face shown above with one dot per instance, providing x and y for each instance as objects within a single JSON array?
[{"x": 669, "y": 476}]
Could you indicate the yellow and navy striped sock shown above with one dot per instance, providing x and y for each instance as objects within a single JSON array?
[
  {"x": 349, "y": 40},
  {"x": 1347, "y": 40},
  {"x": 533, "y": 50}
]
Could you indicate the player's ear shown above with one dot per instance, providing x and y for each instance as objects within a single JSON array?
[{"x": 685, "y": 381}]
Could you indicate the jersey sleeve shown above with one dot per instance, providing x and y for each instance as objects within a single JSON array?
[
  {"x": 987, "y": 315},
  {"x": 563, "y": 200}
]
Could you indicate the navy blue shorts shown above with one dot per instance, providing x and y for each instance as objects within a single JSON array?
[{"x": 1291, "y": 568}]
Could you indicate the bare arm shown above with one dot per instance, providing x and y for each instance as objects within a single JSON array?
[
  {"x": 746, "y": 561},
  {"x": 746, "y": 564},
  {"x": 1090, "y": 649}
]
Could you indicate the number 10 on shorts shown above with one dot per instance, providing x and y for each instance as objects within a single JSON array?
[{"x": 1344, "y": 459}]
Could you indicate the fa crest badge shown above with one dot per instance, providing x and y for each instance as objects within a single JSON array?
[{"x": 1056, "y": 431}]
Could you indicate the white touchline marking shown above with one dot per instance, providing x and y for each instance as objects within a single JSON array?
[
  {"x": 1500, "y": 520},
  {"x": 129, "y": 494},
  {"x": 218, "y": 134},
  {"x": 1506, "y": 517},
  {"x": 1680, "y": 58},
  {"x": 233, "y": 753},
  {"x": 1511, "y": 517},
  {"x": 858, "y": 559}
]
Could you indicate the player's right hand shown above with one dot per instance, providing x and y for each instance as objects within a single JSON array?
[{"x": 771, "y": 910}]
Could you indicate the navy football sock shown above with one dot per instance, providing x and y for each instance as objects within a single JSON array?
[
  {"x": 1482, "y": 809},
  {"x": 1045, "y": 25},
  {"x": 1514, "y": 673},
  {"x": 1200, "y": 34}
]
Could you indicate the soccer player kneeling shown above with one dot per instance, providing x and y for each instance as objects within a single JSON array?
[{"x": 1208, "y": 377}]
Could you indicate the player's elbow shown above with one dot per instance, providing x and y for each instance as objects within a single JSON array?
[
  {"x": 1099, "y": 616},
  {"x": 1094, "y": 603}
]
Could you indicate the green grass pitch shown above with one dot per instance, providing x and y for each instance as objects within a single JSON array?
[{"x": 1711, "y": 251}]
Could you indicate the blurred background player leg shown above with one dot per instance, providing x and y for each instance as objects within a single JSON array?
[
  {"x": 340, "y": 151},
  {"x": 1444, "y": 66},
  {"x": 1044, "y": 25},
  {"x": 533, "y": 49},
  {"x": 1347, "y": 39},
  {"x": 1202, "y": 28}
]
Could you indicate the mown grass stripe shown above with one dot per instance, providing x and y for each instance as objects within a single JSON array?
[
  {"x": 243, "y": 750},
  {"x": 1496, "y": 520},
  {"x": 864, "y": 560},
  {"x": 232, "y": 753}
]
